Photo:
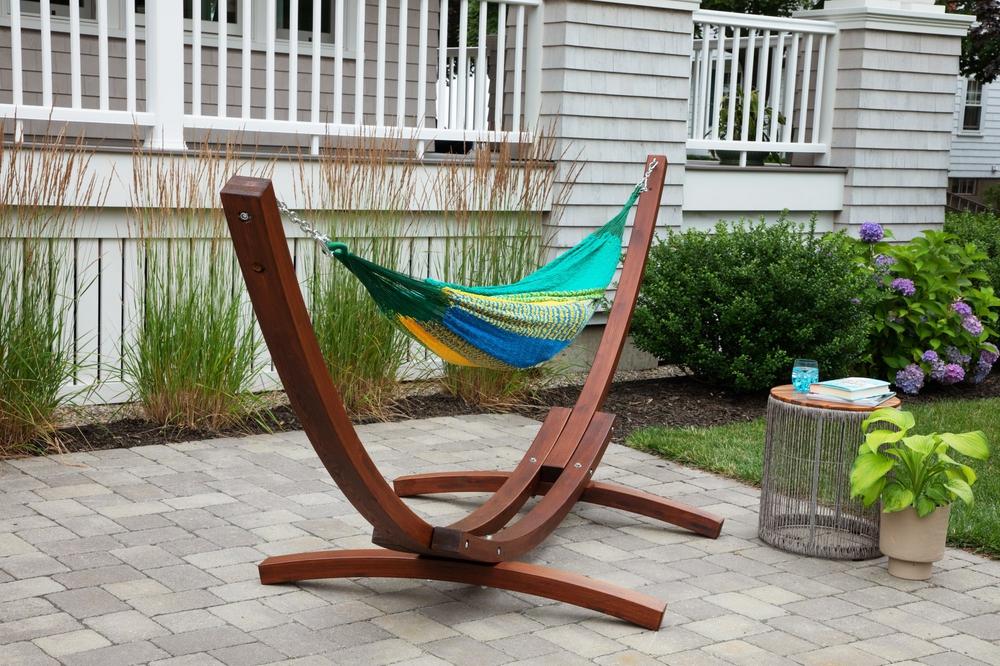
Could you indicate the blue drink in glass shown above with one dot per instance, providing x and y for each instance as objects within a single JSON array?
[{"x": 805, "y": 372}]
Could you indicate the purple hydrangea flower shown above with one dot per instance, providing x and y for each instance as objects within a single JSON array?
[
  {"x": 981, "y": 372},
  {"x": 871, "y": 232},
  {"x": 937, "y": 370},
  {"x": 884, "y": 260},
  {"x": 962, "y": 308},
  {"x": 904, "y": 286},
  {"x": 953, "y": 355},
  {"x": 953, "y": 373},
  {"x": 972, "y": 324},
  {"x": 930, "y": 356},
  {"x": 910, "y": 379},
  {"x": 989, "y": 354}
]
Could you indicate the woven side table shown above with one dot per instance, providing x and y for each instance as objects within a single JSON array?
[{"x": 805, "y": 504}]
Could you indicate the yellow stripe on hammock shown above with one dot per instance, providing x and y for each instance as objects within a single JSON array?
[{"x": 426, "y": 339}]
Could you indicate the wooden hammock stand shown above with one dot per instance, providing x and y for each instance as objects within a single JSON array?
[{"x": 481, "y": 548}]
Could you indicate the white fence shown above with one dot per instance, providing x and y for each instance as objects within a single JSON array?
[
  {"x": 277, "y": 75},
  {"x": 761, "y": 84}
]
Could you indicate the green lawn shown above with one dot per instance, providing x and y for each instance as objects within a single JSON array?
[{"x": 737, "y": 450}]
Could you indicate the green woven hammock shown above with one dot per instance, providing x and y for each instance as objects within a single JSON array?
[{"x": 517, "y": 325}]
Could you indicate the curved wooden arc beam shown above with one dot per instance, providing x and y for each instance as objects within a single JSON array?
[
  {"x": 262, "y": 250},
  {"x": 601, "y": 493},
  {"x": 635, "y": 607},
  {"x": 581, "y": 443}
]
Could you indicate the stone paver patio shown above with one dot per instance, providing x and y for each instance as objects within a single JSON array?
[{"x": 149, "y": 555}]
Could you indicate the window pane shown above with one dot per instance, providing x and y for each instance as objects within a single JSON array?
[
  {"x": 209, "y": 10},
  {"x": 971, "y": 118},
  {"x": 306, "y": 16}
]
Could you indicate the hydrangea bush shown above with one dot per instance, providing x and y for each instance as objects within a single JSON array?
[{"x": 935, "y": 313}]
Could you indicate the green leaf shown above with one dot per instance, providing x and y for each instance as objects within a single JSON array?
[
  {"x": 972, "y": 444},
  {"x": 922, "y": 444},
  {"x": 896, "y": 498},
  {"x": 967, "y": 472},
  {"x": 961, "y": 489},
  {"x": 925, "y": 506},
  {"x": 868, "y": 469},
  {"x": 872, "y": 493},
  {"x": 877, "y": 438},
  {"x": 902, "y": 420}
]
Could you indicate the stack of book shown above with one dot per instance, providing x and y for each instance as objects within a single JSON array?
[{"x": 861, "y": 391}]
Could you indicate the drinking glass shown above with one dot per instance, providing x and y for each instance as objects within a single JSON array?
[{"x": 805, "y": 372}]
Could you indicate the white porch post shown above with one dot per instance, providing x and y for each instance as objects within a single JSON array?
[
  {"x": 165, "y": 74},
  {"x": 893, "y": 109}
]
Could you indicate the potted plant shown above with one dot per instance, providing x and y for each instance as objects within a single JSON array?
[
  {"x": 757, "y": 114},
  {"x": 917, "y": 480}
]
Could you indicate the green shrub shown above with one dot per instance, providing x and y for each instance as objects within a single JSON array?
[
  {"x": 991, "y": 197},
  {"x": 737, "y": 306},
  {"x": 935, "y": 312},
  {"x": 982, "y": 229}
]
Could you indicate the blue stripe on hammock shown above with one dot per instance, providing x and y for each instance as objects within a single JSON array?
[{"x": 514, "y": 349}]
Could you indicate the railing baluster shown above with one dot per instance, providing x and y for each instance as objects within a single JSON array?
[
  {"x": 293, "y": 59},
  {"x": 734, "y": 90},
  {"x": 804, "y": 99},
  {"x": 338, "y": 61},
  {"x": 501, "y": 64},
  {"x": 46, "y": 25},
  {"x": 463, "y": 64},
  {"x": 380, "y": 67},
  {"x": 793, "y": 66},
  {"x": 195, "y": 55},
  {"x": 422, "y": 69},
  {"x": 359, "y": 66},
  {"x": 404, "y": 10},
  {"x": 74, "y": 54},
  {"x": 270, "y": 20},
  {"x": 480, "y": 119},
  {"x": 443, "y": 73},
  {"x": 314, "y": 91},
  {"x": 222, "y": 71},
  {"x": 762, "y": 72},
  {"x": 518, "y": 65},
  {"x": 17, "y": 72},
  {"x": 748, "y": 88},
  {"x": 777, "y": 77},
  {"x": 701, "y": 106},
  {"x": 817, "y": 115},
  {"x": 102, "y": 54},
  {"x": 720, "y": 73},
  {"x": 247, "y": 65}
]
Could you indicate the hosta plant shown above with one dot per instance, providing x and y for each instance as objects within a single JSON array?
[{"x": 907, "y": 470}]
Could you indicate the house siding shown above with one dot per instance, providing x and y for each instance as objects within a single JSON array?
[
  {"x": 892, "y": 127},
  {"x": 976, "y": 154}
]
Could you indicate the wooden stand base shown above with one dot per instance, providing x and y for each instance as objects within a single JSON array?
[
  {"x": 635, "y": 607},
  {"x": 604, "y": 494}
]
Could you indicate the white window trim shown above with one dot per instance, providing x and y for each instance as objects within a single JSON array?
[{"x": 962, "y": 130}]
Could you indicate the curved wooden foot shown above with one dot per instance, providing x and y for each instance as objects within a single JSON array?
[
  {"x": 597, "y": 492},
  {"x": 634, "y": 607}
]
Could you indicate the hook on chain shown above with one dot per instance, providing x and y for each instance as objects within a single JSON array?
[{"x": 644, "y": 185}]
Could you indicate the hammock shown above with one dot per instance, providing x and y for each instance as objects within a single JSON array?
[{"x": 517, "y": 325}]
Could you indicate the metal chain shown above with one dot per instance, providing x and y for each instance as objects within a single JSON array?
[
  {"x": 644, "y": 185},
  {"x": 307, "y": 227}
]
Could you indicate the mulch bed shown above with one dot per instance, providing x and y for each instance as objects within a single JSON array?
[{"x": 669, "y": 401}]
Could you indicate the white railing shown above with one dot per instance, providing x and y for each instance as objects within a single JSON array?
[
  {"x": 321, "y": 81},
  {"x": 761, "y": 84}
]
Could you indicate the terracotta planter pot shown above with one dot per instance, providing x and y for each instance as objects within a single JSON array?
[{"x": 913, "y": 543}]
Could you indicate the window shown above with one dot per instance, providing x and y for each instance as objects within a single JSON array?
[
  {"x": 61, "y": 8},
  {"x": 305, "y": 26},
  {"x": 972, "y": 112},
  {"x": 209, "y": 10},
  {"x": 965, "y": 186}
]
